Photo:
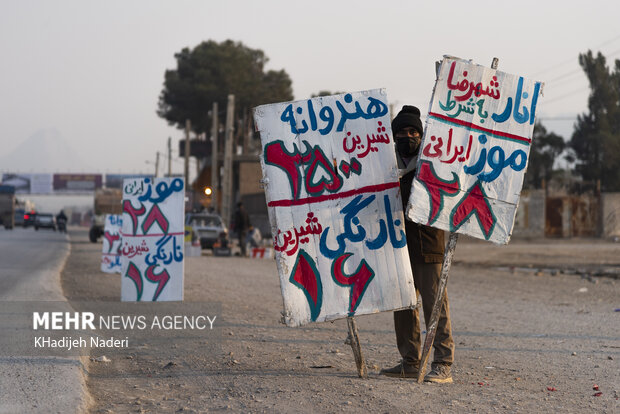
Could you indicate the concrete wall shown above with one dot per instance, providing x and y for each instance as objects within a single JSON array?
[
  {"x": 249, "y": 175},
  {"x": 530, "y": 217},
  {"x": 611, "y": 214}
]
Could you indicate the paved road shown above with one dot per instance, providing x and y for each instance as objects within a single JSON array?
[
  {"x": 30, "y": 262},
  {"x": 30, "y": 265}
]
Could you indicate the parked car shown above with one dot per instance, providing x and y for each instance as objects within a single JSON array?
[
  {"x": 207, "y": 226},
  {"x": 45, "y": 221},
  {"x": 19, "y": 217},
  {"x": 29, "y": 217}
]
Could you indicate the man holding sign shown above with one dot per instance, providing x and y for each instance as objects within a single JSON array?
[{"x": 426, "y": 249}]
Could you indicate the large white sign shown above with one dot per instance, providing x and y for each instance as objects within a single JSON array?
[
  {"x": 333, "y": 197},
  {"x": 475, "y": 151},
  {"x": 112, "y": 242},
  {"x": 152, "y": 232},
  {"x": 29, "y": 183}
]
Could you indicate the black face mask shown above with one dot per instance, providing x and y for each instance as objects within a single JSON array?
[{"x": 408, "y": 147}]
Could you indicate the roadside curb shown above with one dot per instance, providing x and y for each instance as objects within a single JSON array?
[{"x": 83, "y": 364}]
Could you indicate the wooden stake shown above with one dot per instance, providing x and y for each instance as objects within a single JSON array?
[
  {"x": 431, "y": 326},
  {"x": 354, "y": 341}
]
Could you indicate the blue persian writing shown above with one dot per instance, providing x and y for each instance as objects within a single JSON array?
[
  {"x": 114, "y": 264},
  {"x": 355, "y": 232},
  {"x": 162, "y": 189},
  {"x": 166, "y": 252},
  {"x": 496, "y": 159},
  {"x": 115, "y": 219},
  {"x": 521, "y": 115},
  {"x": 328, "y": 116},
  {"x": 468, "y": 108}
]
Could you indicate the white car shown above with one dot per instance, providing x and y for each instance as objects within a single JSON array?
[{"x": 207, "y": 226}]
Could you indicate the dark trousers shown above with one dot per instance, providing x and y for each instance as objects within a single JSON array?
[
  {"x": 242, "y": 236},
  {"x": 407, "y": 321}
]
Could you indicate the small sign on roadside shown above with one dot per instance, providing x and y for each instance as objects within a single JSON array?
[
  {"x": 153, "y": 234},
  {"x": 112, "y": 243}
]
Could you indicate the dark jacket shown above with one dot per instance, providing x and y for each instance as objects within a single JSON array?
[
  {"x": 242, "y": 220},
  {"x": 425, "y": 244}
]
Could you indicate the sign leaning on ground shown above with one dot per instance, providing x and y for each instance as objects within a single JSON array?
[
  {"x": 152, "y": 234},
  {"x": 331, "y": 183},
  {"x": 475, "y": 151},
  {"x": 112, "y": 242}
]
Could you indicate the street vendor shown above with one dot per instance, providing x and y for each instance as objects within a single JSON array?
[{"x": 426, "y": 247}]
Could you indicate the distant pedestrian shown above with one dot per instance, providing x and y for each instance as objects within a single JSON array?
[
  {"x": 241, "y": 226},
  {"x": 254, "y": 237}
]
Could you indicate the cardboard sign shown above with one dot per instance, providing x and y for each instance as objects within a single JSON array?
[
  {"x": 475, "y": 151},
  {"x": 112, "y": 242},
  {"x": 333, "y": 197},
  {"x": 153, "y": 232}
]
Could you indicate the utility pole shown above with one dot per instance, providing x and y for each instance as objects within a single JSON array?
[
  {"x": 246, "y": 133},
  {"x": 215, "y": 172},
  {"x": 187, "y": 129},
  {"x": 156, "y": 164},
  {"x": 228, "y": 152},
  {"x": 169, "y": 156}
]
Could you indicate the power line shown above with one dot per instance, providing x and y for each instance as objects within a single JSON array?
[
  {"x": 572, "y": 59},
  {"x": 576, "y": 71},
  {"x": 567, "y": 95},
  {"x": 557, "y": 118}
]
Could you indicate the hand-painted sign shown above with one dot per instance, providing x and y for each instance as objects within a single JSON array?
[
  {"x": 112, "y": 243},
  {"x": 332, "y": 190},
  {"x": 152, "y": 233},
  {"x": 474, "y": 152}
]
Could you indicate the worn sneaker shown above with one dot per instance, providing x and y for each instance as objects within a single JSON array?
[
  {"x": 401, "y": 370},
  {"x": 440, "y": 373}
]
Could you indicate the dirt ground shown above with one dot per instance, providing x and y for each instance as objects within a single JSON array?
[{"x": 536, "y": 326}]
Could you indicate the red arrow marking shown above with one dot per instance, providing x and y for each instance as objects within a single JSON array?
[
  {"x": 161, "y": 279},
  {"x": 134, "y": 213},
  {"x": 111, "y": 238},
  {"x": 306, "y": 276},
  {"x": 359, "y": 280},
  {"x": 436, "y": 188},
  {"x": 134, "y": 274},
  {"x": 155, "y": 215},
  {"x": 474, "y": 202}
]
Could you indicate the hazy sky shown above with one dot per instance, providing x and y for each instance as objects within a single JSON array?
[{"x": 93, "y": 70}]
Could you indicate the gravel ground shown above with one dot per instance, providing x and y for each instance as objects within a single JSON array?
[{"x": 536, "y": 326}]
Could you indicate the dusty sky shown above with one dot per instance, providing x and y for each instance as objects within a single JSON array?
[{"x": 93, "y": 70}]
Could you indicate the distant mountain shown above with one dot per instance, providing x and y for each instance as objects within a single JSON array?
[{"x": 46, "y": 151}]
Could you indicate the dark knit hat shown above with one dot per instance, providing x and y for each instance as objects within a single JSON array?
[{"x": 409, "y": 116}]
